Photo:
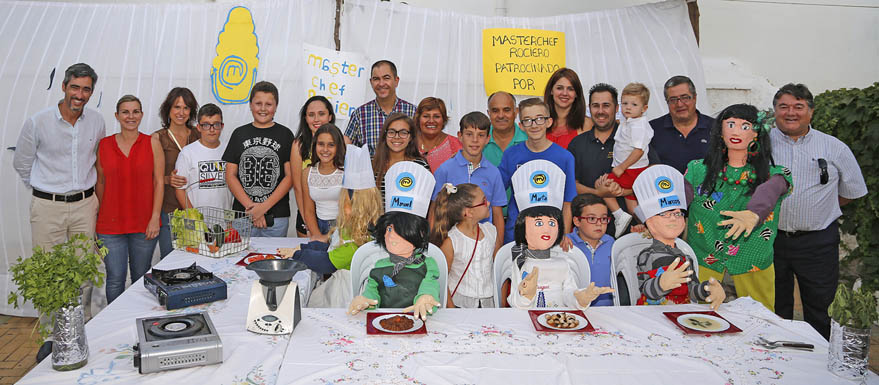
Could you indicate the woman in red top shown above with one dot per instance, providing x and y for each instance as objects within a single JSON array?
[
  {"x": 567, "y": 106},
  {"x": 131, "y": 169}
]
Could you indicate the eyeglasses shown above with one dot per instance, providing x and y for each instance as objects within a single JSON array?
[
  {"x": 822, "y": 164},
  {"x": 483, "y": 203},
  {"x": 537, "y": 120},
  {"x": 398, "y": 134},
  {"x": 594, "y": 220},
  {"x": 670, "y": 214},
  {"x": 213, "y": 126},
  {"x": 674, "y": 99}
]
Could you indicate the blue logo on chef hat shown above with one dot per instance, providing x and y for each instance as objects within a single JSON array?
[
  {"x": 405, "y": 181},
  {"x": 664, "y": 185},
  {"x": 539, "y": 179}
]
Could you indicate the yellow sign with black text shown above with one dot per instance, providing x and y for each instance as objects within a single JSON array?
[{"x": 520, "y": 61}]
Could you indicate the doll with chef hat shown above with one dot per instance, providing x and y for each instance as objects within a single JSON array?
[{"x": 541, "y": 273}]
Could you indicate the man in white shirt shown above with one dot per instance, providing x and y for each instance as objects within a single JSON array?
[
  {"x": 55, "y": 156},
  {"x": 202, "y": 164}
]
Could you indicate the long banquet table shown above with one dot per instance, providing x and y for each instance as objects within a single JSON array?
[{"x": 631, "y": 345}]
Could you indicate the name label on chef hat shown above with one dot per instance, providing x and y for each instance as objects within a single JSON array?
[
  {"x": 538, "y": 197},
  {"x": 401, "y": 202}
]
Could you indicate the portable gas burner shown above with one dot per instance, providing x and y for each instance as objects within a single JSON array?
[
  {"x": 174, "y": 342},
  {"x": 184, "y": 287}
]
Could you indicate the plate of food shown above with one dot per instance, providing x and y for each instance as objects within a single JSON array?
[
  {"x": 253, "y": 257},
  {"x": 560, "y": 321},
  {"x": 701, "y": 322},
  {"x": 394, "y": 323}
]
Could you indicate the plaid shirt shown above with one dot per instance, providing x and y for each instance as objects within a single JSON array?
[{"x": 366, "y": 122}]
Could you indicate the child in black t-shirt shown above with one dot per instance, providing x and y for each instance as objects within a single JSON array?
[{"x": 257, "y": 158}]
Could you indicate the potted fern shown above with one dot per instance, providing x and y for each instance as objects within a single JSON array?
[
  {"x": 852, "y": 313},
  {"x": 51, "y": 281}
]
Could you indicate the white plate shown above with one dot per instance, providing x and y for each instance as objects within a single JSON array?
[
  {"x": 541, "y": 319},
  {"x": 417, "y": 324},
  {"x": 692, "y": 321}
]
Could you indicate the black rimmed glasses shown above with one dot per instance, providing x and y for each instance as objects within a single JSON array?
[
  {"x": 529, "y": 122},
  {"x": 403, "y": 134},
  {"x": 211, "y": 126}
]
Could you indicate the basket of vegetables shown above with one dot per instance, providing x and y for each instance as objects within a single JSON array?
[{"x": 211, "y": 231}]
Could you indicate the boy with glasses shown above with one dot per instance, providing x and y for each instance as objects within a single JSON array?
[
  {"x": 535, "y": 121},
  {"x": 590, "y": 236},
  {"x": 202, "y": 164}
]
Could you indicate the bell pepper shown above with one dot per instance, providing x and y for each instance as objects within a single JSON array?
[{"x": 232, "y": 236}]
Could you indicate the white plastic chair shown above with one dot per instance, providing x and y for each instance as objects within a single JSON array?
[
  {"x": 624, "y": 254},
  {"x": 369, "y": 253},
  {"x": 503, "y": 268}
]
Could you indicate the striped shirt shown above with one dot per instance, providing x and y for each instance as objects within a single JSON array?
[
  {"x": 813, "y": 206},
  {"x": 367, "y": 120}
]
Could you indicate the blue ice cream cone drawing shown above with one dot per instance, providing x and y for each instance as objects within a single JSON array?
[{"x": 233, "y": 70}]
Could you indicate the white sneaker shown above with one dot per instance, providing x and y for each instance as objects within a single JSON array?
[{"x": 621, "y": 222}]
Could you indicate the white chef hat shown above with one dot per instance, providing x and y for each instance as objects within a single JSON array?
[
  {"x": 538, "y": 183},
  {"x": 659, "y": 189},
  {"x": 358, "y": 169},
  {"x": 408, "y": 188}
]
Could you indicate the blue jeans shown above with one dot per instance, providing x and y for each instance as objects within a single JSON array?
[
  {"x": 165, "y": 246},
  {"x": 279, "y": 229},
  {"x": 133, "y": 250},
  {"x": 314, "y": 255},
  {"x": 324, "y": 226}
]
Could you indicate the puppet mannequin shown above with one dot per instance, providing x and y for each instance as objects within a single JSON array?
[
  {"x": 738, "y": 192},
  {"x": 542, "y": 275},
  {"x": 665, "y": 275},
  {"x": 407, "y": 278}
]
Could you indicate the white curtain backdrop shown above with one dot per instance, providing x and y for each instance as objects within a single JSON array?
[
  {"x": 144, "y": 50},
  {"x": 439, "y": 53}
]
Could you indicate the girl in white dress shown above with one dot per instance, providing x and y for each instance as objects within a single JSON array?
[{"x": 469, "y": 246}]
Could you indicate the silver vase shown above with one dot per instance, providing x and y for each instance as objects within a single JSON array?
[
  {"x": 849, "y": 351},
  {"x": 70, "y": 349}
]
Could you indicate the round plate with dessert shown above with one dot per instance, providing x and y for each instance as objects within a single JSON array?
[
  {"x": 397, "y": 323},
  {"x": 562, "y": 321}
]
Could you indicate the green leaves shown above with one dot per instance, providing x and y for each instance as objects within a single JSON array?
[
  {"x": 50, "y": 279},
  {"x": 852, "y": 115},
  {"x": 854, "y": 308}
]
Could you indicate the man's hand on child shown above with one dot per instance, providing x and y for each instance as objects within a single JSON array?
[
  {"x": 528, "y": 286},
  {"x": 740, "y": 221},
  {"x": 360, "y": 303},
  {"x": 586, "y": 296},
  {"x": 716, "y": 295},
  {"x": 618, "y": 171},
  {"x": 566, "y": 244},
  {"x": 423, "y": 306},
  {"x": 674, "y": 275}
]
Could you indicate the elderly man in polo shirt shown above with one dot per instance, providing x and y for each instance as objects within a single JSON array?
[
  {"x": 55, "y": 155},
  {"x": 504, "y": 132},
  {"x": 826, "y": 176},
  {"x": 367, "y": 120},
  {"x": 682, "y": 134}
]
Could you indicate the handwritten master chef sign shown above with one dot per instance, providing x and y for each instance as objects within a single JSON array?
[
  {"x": 520, "y": 61},
  {"x": 340, "y": 76}
]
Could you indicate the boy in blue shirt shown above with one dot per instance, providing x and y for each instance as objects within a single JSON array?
[
  {"x": 590, "y": 236},
  {"x": 535, "y": 120},
  {"x": 469, "y": 166}
]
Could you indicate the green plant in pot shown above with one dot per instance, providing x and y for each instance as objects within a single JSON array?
[
  {"x": 853, "y": 313},
  {"x": 51, "y": 281}
]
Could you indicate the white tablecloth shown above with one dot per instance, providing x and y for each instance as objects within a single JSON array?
[
  {"x": 248, "y": 357},
  {"x": 632, "y": 345}
]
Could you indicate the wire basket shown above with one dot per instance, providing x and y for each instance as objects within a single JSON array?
[{"x": 214, "y": 232}]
